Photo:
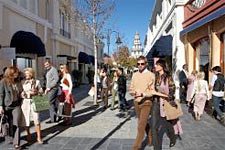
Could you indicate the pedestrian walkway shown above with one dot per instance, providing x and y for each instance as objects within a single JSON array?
[{"x": 94, "y": 128}]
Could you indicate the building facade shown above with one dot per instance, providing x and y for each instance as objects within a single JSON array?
[
  {"x": 204, "y": 34},
  {"x": 67, "y": 38},
  {"x": 163, "y": 32},
  {"x": 137, "y": 49}
]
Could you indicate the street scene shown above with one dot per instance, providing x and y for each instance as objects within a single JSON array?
[
  {"x": 93, "y": 128},
  {"x": 112, "y": 74}
]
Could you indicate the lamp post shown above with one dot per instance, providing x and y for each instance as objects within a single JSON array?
[{"x": 118, "y": 40}]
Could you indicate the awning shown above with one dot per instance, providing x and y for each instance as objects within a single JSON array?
[
  {"x": 162, "y": 47},
  {"x": 203, "y": 21},
  {"x": 92, "y": 59},
  {"x": 84, "y": 58},
  {"x": 27, "y": 43}
]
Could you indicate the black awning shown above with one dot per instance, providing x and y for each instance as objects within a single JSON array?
[
  {"x": 162, "y": 47},
  {"x": 84, "y": 58},
  {"x": 92, "y": 59},
  {"x": 28, "y": 43}
]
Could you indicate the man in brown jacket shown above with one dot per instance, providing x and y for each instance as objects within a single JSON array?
[{"x": 142, "y": 88}]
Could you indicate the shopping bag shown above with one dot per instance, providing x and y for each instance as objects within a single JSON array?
[
  {"x": 4, "y": 126},
  {"x": 92, "y": 91},
  {"x": 64, "y": 109},
  {"x": 172, "y": 112},
  {"x": 40, "y": 103}
]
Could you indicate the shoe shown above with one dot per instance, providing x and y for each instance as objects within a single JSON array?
[
  {"x": 17, "y": 147},
  {"x": 172, "y": 144},
  {"x": 179, "y": 137},
  {"x": 40, "y": 141}
]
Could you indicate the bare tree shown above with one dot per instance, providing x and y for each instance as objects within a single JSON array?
[{"x": 95, "y": 13}]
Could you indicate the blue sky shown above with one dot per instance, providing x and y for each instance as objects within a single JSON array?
[{"x": 129, "y": 17}]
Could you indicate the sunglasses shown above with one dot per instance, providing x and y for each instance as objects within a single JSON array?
[{"x": 142, "y": 64}]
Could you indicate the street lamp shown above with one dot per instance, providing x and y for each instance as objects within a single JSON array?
[{"x": 118, "y": 40}]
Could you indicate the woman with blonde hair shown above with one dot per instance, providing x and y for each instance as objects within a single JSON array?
[
  {"x": 31, "y": 87},
  {"x": 10, "y": 101},
  {"x": 67, "y": 86},
  {"x": 200, "y": 94}
]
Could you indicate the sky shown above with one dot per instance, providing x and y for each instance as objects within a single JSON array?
[{"x": 129, "y": 17}]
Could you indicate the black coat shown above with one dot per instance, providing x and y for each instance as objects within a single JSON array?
[{"x": 183, "y": 79}]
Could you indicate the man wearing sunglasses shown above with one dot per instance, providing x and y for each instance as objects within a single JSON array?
[{"x": 142, "y": 87}]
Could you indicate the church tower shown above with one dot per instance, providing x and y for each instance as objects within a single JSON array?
[{"x": 137, "y": 49}]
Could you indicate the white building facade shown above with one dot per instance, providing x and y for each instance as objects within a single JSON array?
[
  {"x": 166, "y": 20},
  {"x": 64, "y": 35},
  {"x": 137, "y": 49}
]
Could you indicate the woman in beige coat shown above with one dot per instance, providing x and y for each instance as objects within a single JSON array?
[{"x": 31, "y": 87}]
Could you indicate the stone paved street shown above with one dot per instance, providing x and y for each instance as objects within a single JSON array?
[{"x": 93, "y": 128}]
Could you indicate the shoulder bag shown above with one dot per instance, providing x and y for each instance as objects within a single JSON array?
[{"x": 172, "y": 109}]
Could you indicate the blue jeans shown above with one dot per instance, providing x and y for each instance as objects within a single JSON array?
[
  {"x": 216, "y": 102},
  {"x": 122, "y": 99}
]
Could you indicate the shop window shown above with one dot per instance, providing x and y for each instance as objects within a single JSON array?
[
  {"x": 32, "y": 6},
  {"x": 202, "y": 56}
]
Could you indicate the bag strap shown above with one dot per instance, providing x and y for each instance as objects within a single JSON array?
[{"x": 1, "y": 123}]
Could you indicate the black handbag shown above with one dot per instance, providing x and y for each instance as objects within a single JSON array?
[{"x": 4, "y": 126}]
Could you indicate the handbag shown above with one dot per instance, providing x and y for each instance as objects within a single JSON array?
[
  {"x": 40, "y": 103},
  {"x": 92, "y": 91},
  {"x": 64, "y": 109},
  {"x": 172, "y": 109},
  {"x": 4, "y": 126}
]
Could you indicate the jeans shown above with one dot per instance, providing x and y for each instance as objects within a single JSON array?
[
  {"x": 216, "y": 102},
  {"x": 122, "y": 99}
]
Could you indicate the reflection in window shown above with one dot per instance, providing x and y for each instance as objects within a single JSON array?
[{"x": 223, "y": 40}]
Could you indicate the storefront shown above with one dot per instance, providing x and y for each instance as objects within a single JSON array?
[{"x": 203, "y": 35}]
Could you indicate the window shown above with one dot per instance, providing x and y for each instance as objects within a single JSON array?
[
  {"x": 64, "y": 23},
  {"x": 32, "y": 6},
  {"x": 23, "y": 3},
  {"x": 223, "y": 49},
  {"x": 202, "y": 57},
  {"x": 15, "y": 1}
]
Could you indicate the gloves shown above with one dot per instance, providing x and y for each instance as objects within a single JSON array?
[{"x": 1, "y": 110}]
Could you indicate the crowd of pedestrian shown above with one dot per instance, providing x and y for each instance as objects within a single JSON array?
[
  {"x": 151, "y": 92},
  {"x": 17, "y": 90}
]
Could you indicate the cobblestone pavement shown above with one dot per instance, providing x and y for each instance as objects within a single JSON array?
[{"x": 96, "y": 128}]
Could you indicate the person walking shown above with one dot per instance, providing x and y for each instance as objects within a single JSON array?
[
  {"x": 114, "y": 89},
  {"x": 31, "y": 87},
  {"x": 164, "y": 84},
  {"x": 200, "y": 94},
  {"x": 142, "y": 88},
  {"x": 52, "y": 79},
  {"x": 122, "y": 88},
  {"x": 191, "y": 80},
  {"x": 217, "y": 85},
  {"x": 183, "y": 79},
  {"x": 105, "y": 88},
  {"x": 10, "y": 101},
  {"x": 67, "y": 86}
]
